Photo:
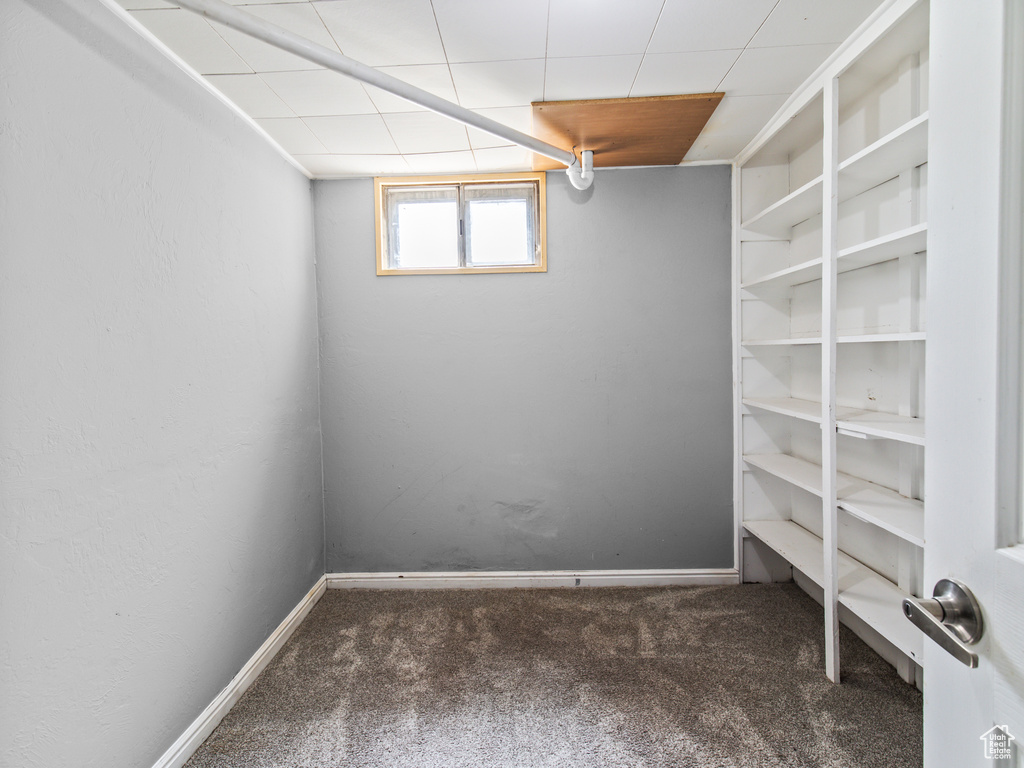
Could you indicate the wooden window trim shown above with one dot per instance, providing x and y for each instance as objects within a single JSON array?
[{"x": 380, "y": 183}]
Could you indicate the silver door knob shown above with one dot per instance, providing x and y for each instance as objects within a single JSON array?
[{"x": 951, "y": 617}]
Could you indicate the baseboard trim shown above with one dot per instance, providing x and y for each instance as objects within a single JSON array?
[
  {"x": 513, "y": 579},
  {"x": 181, "y": 750}
]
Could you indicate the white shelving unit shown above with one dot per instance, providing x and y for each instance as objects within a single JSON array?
[{"x": 829, "y": 315}]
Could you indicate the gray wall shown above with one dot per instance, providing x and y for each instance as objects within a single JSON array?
[
  {"x": 159, "y": 448},
  {"x": 578, "y": 419}
]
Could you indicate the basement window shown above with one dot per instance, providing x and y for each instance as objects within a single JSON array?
[{"x": 460, "y": 224}]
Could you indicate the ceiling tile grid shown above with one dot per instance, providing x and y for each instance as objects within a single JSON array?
[{"x": 496, "y": 57}]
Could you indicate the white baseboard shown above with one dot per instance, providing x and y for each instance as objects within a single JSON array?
[
  {"x": 181, "y": 750},
  {"x": 512, "y": 579}
]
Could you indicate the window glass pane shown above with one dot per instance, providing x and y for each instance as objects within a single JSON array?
[
  {"x": 423, "y": 228},
  {"x": 500, "y": 224}
]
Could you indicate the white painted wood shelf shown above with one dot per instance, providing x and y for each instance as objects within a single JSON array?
[
  {"x": 867, "y": 501},
  {"x": 779, "y": 218},
  {"x": 903, "y": 149},
  {"x": 869, "y": 596},
  {"x": 886, "y": 248},
  {"x": 862, "y": 122}
]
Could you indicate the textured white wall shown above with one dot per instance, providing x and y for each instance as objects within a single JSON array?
[
  {"x": 159, "y": 449},
  {"x": 575, "y": 419}
]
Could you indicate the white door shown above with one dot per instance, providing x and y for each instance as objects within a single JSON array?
[{"x": 973, "y": 527}]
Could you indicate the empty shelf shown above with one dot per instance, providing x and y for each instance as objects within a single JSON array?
[
  {"x": 869, "y": 596},
  {"x": 807, "y": 410},
  {"x": 889, "y": 426},
  {"x": 785, "y": 279},
  {"x": 903, "y": 149},
  {"x": 777, "y": 219},
  {"x": 867, "y": 501},
  {"x": 905, "y": 241}
]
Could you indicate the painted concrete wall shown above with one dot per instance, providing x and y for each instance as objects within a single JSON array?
[
  {"x": 159, "y": 448},
  {"x": 578, "y": 419}
]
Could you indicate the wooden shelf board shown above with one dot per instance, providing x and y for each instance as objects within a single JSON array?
[
  {"x": 807, "y": 410},
  {"x": 803, "y": 474},
  {"x": 778, "y": 218},
  {"x": 905, "y": 429},
  {"x": 875, "y": 338},
  {"x": 787, "y": 278},
  {"x": 869, "y": 596},
  {"x": 867, "y": 501},
  {"x": 781, "y": 342},
  {"x": 886, "y": 248},
  {"x": 903, "y": 149}
]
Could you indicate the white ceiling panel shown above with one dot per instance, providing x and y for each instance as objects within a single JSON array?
[
  {"x": 588, "y": 28},
  {"x": 435, "y": 78},
  {"x": 353, "y": 134},
  {"x": 590, "y": 77},
  {"x": 320, "y": 92},
  {"x": 743, "y": 115},
  {"x": 496, "y": 57},
  {"x": 299, "y": 18},
  {"x": 384, "y": 33},
  {"x": 354, "y": 166},
  {"x": 497, "y": 159},
  {"x": 699, "y": 25},
  {"x": 293, "y": 135},
  {"x": 519, "y": 118},
  {"x": 664, "y": 74},
  {"x": 442, "y": 162},
  {"x": 416, "y": 132},
  {"x": 760, "y": 71},
  {"x": 194, "y": 40},
  {"x": 499, "y": 83},
  {"x": 809, "y": 22},
  {"x": 472, "y": 30},
  {"x": 252, "y": 95},
  {"x": 716, "y": 147}
]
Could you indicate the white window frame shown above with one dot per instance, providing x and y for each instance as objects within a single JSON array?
[{"x": 382, "y": 183}]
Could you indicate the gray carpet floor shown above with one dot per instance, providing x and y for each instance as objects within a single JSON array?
[{"x": 708, "y": 677}]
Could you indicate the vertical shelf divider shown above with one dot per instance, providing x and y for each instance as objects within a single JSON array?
[{"x": 829, "y": 276}]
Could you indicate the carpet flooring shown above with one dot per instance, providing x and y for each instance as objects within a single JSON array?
[{"x": 701, "y": 677}]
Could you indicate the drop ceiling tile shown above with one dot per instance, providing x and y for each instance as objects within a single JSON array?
[
  {"x": 699, "y": 25},
  {"x": 320, "y": 92},
  {"x": 293, "y": 135},
  {"x": 384, "y": 32},
  {"x": 742, "y": 115},
  {"x": 663, "y": 74},
  {"x": 503, "y": 159},
  {"x": 299, "y": 18},
  {"x": 499, "y": 83},
  {"x": 722, "y": 147},
  {"x": 480, "y": 31},
  {"x": 590, "y": 77},
  {"x": 194, "y": 40},
  {"x": 760, "y": 71},
  {"x": 415, "y": 132},
  {"x": 519, "y": 118},
  {"x": 442, "y": 162},
  {"x": 803, "y": 22},
  {"x": 251, "y": 94},
  {"x": 353, "y": 166},
  {"x": 588, "y": 28},
  {"x": 434, "y": 78},
  {"x": 353, "y": 134}
]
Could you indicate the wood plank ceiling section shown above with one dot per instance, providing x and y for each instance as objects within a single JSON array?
[{"x": 652, "y": 130}]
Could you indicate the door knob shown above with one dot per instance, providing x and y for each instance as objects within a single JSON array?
[{"x": 951, "y": 617}]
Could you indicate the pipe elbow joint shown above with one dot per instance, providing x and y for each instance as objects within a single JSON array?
[{"x": 581, "y": 172}]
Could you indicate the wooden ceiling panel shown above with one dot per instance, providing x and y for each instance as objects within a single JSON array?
[{"x": 651, "y": 130}]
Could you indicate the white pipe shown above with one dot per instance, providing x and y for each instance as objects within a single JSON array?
[
  {"x": 231, "y": 16},
  {"x": 582, "y": 177}
]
